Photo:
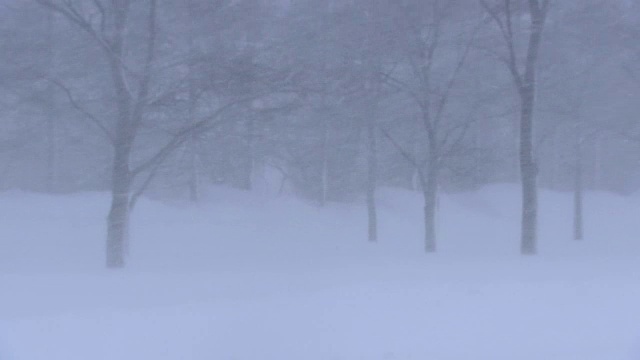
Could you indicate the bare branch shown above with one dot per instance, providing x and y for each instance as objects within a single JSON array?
[
  {"x": 185, "y": 133},
  {"x": 143, "y": 91},
  {"x": 72, "y": 14},
  {"x": 444, "y": 99},
  {"x": 83, "y": 111},
  {"x": 143, "y": 187},
  {"x": 419, "y": 166},
  {"x": 506, "y": 29},
  {"x": 403, "y": 87}
]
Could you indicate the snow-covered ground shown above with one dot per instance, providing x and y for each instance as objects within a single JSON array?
[{"x": 258, "y": 277}]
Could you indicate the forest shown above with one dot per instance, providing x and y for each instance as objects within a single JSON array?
[{"x": 336, "y": 97}]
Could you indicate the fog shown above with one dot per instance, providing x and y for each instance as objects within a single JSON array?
[{"x": 308, "y": 179}]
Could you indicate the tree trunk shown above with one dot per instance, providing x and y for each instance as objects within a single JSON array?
[
  {"x": 477, "y": 173},
  {"x": 193, "y": 142},
  {"x": 51, "y": 108},
  {"x": 194, "y": 193},
  {"x": 52, "y": 146},
  {"x": 192, "y": 146},
  {"x": 324, "y": 170},
  {"x": 247, "y": 183},
  {"x": 415, "y": 174},
  {"x": 514, "y": 160},
  {"x": 118, "y": 219},
  {"x": 597, "y": 182},
  {"x": 528, "y": 166},
  {"x": 372, "y": 174},
  {"x": 578, "y": 227},
  {"x": 578, "y": 230},
  {"x": 429, "y": 194},
  {"x": 554, "y": 161},
  {"x": 528, "y": 173}
]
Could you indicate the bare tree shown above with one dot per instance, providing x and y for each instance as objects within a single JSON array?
[
  {"x": 525, "y": 82},
  {"x": 52, "y": 146},
  {"x": 192, "y": 104},
  {"x": 106, "y": 23},
  {"x": 424, "y": 30},
  {"x": 365, "y": 42},
  {"x": 109, "y": 32}
]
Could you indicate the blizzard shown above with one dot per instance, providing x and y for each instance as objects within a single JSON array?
[{"x": 255, "y": 276}]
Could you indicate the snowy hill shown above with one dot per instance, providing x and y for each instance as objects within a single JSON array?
[{"x": 257, "y": 277}]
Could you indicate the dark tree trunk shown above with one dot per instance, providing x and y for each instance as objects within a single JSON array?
[
  {"x": 430, "y": 192},
  {"x": 192, "y": 146},
  {"x": 247, "y": 181},
  {"x": 118, "y": 219},
  {"x": 578, "y": 226},
  {"x": 416, "y": 149},
  {"x": 194, "y": 193},
  {"x": 51, "y": 108},
  {"x": 596, "y": 180},
  {"x": 193, "y": 142},
  {"x": 372, "y": 174},
  {"x": 526, "y": 86},
  {"x": 528, "y": 166},
  {"x": 324, "y": 163},
  {"x": 52, "y": 146},
  {"x": 528, "y": 173}
]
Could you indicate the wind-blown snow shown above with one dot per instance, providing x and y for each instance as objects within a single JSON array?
[{"x": 257, "y": 277}]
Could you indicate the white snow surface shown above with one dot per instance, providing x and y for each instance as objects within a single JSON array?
[{"x": 252, "y": 276}]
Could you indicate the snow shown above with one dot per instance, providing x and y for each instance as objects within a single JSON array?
[{"x": 256, "y": 276}]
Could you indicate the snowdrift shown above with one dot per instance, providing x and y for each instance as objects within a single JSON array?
[{"x": 255, "y": 276}]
